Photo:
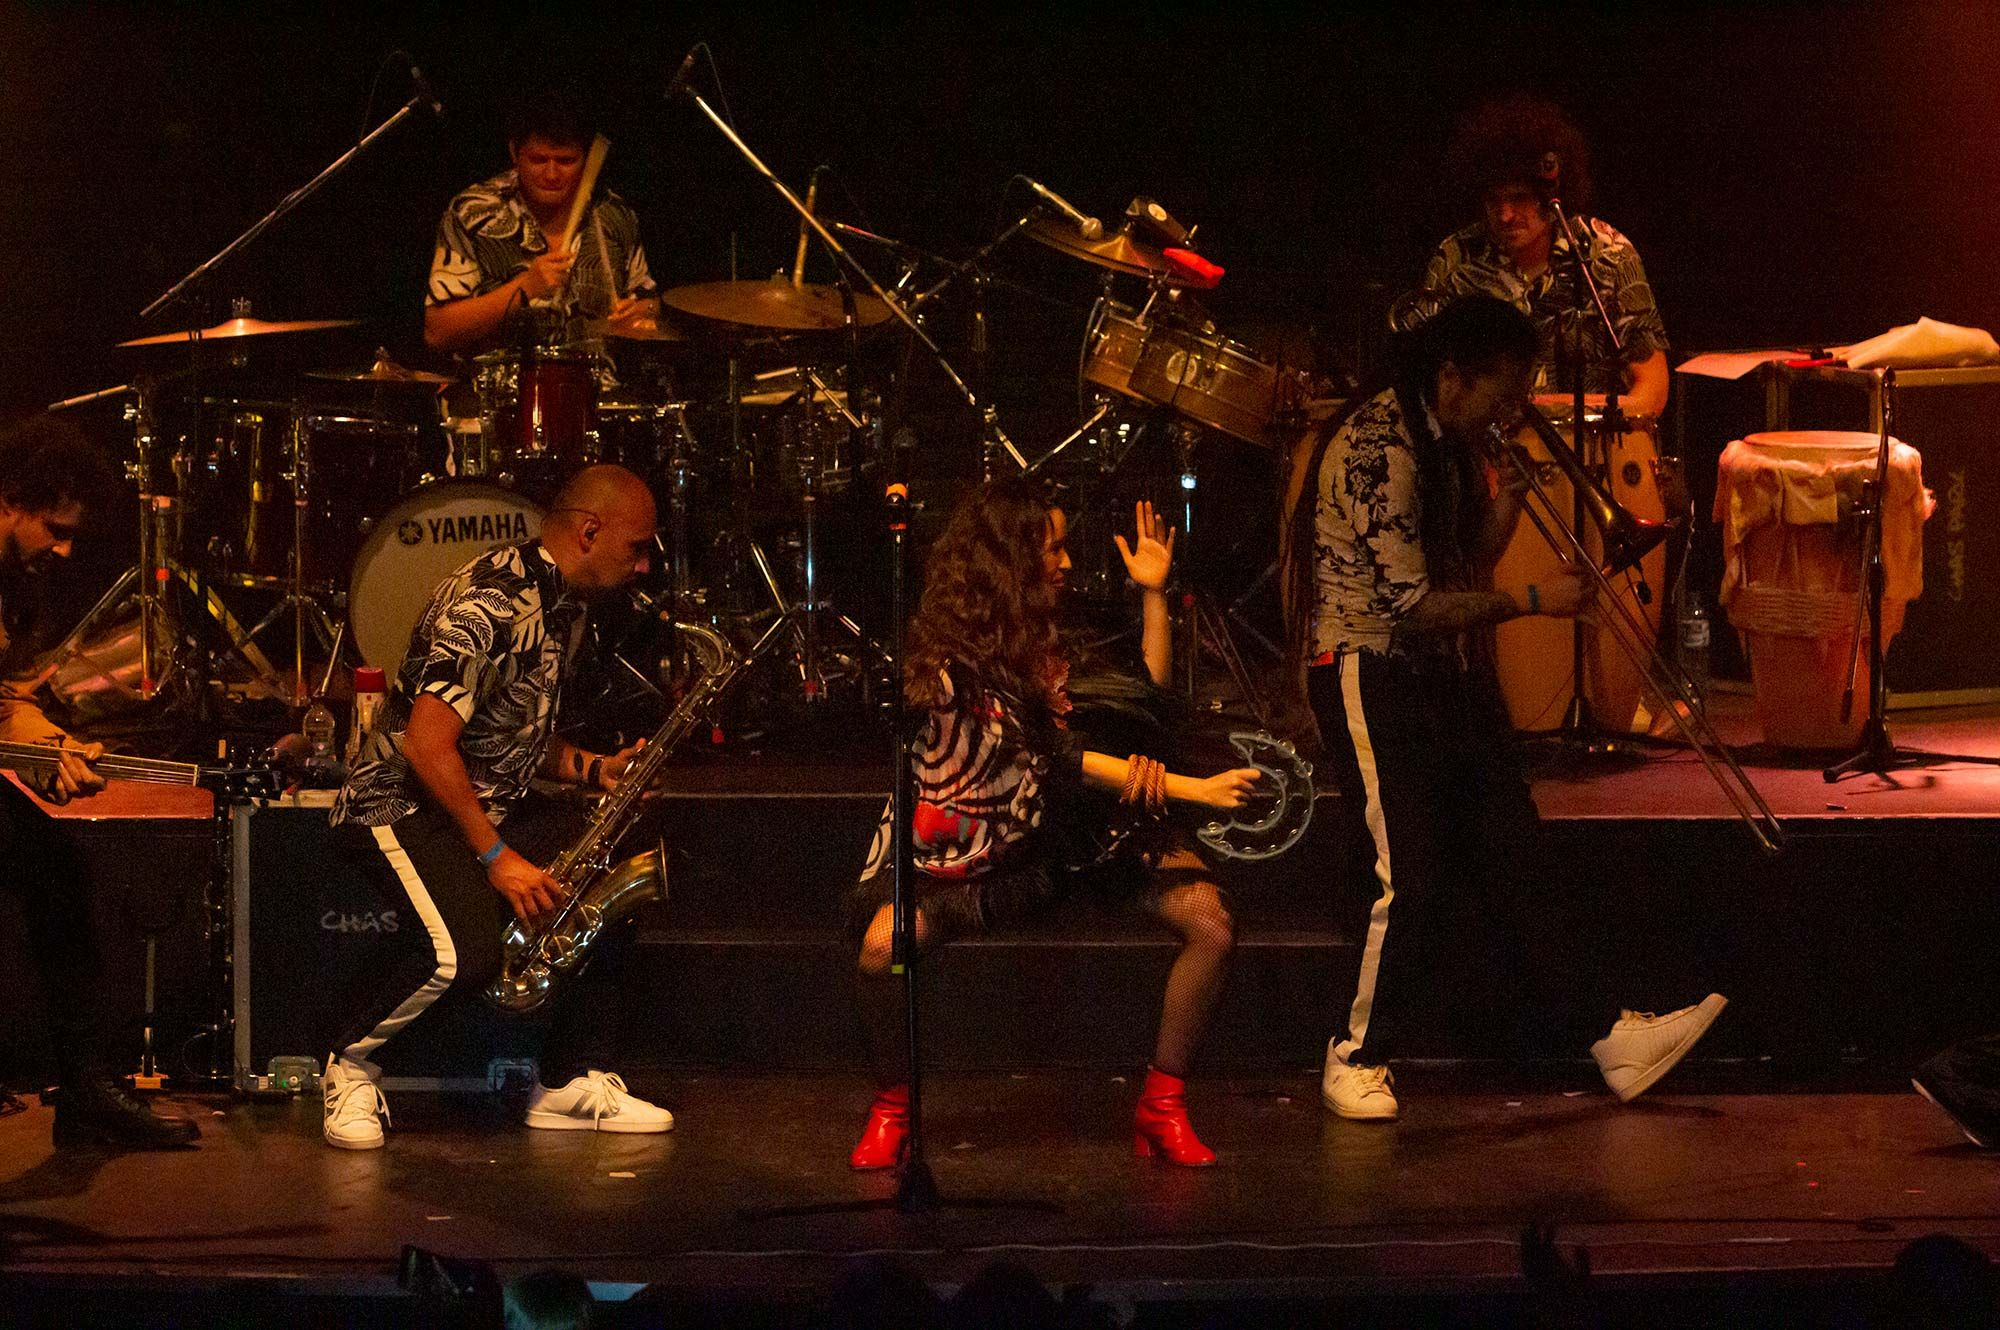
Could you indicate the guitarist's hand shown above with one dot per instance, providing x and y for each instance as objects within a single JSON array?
[
  {"x": 72, "y": 778},
  {"x": 529, "y": 891}
]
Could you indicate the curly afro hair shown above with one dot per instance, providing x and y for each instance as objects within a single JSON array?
[{"x": 1505, "y": 140}]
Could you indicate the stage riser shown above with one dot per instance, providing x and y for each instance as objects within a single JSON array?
[{"x": 1869, "y": 937}]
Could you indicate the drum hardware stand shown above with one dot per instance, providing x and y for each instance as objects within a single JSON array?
[
  {"x": 1205, "y": 623},
  {"x": 1878, "y": 754},
  {"x": 170, "y": 599}
]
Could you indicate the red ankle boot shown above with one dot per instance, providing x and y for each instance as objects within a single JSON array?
[
  {"x": 887, "y": 1132},
  {"x": 1161, "y": 1126}
]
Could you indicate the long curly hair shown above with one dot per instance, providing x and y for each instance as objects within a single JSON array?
[
  {"x": 987, "y": 601},
  {"x": 1504, "y": 141}
]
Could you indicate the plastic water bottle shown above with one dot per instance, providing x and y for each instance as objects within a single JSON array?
[
  {"x": 1695, "y": 630},
  {"x": 317, "y": 727}
]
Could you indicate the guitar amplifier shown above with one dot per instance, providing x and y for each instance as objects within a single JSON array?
[{"x": 309, "y": 928}]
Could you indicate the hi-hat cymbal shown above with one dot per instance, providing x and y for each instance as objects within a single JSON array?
[
  {"x": 240, "y": 328},
  {"x": 1117, "y": 251},
  {"x": 384, "y": 370},
  {"x": 775, "y": 305}
]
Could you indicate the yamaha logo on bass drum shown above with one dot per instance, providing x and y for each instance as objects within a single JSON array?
[{"x": 490, "y": 528}]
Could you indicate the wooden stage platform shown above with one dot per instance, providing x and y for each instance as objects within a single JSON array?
[
  {"x": 1788, "y": 1162},
  {"x": 1804, "y": 1196}
]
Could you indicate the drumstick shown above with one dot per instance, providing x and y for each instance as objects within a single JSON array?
[
  {"x": 799, "y": 262},
  {"x": 593, "y": 162}
]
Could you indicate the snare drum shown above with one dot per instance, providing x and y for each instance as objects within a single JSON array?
[
  {"x": 1535, "y": 654},
  {"x": 418, "y": 543},
  {"x": 1208, "y": 379}
]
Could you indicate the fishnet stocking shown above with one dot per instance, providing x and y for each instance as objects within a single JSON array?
[{"x": 1189, "y": 904}]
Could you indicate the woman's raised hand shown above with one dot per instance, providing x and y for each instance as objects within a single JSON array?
[{"x": 1150, "y": 556}]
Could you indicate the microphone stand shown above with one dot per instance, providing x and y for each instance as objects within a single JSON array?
[
  {"x": 989, "y": 422},
  {"x": 1579, "y": 732},
  {"x": 916, "y": 1188},
  {"x": 1879, "y": 754}
]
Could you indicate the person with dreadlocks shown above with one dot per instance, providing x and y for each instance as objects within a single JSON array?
[
  {"x": 1009, "y": 802},
  {"x": 1510, "y": 158},
  {"x": 1393, "y": 530}
]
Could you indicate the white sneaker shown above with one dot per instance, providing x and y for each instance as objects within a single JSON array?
[
  {"x": 1643, "y": 1047},
  {"x": 1365, "y": 1094},
  {"x": 354, "y": 1108},
  {"x": 595, "y": 1102}
]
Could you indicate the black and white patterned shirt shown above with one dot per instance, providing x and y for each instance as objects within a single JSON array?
[
  {"x": 494, "y": 645},
  {"x": 1369, "y": 563},
  {"x": 1469, "y": 263},
  {"x": 488, "y": 235}
]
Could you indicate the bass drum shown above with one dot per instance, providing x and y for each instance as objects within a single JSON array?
[
  {"x": 1534, "y": 653},
  {"x": 419, "y": 543}
]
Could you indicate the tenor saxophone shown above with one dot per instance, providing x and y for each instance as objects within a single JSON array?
[{"x": 596, "y": 892}]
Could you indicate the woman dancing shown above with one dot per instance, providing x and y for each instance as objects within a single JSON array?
[{"x": 1002, "y": 827}]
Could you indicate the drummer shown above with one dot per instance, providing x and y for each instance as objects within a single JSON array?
[
  {"x": 494, "y": 256},
  {"x": 1511, "y": 156}
]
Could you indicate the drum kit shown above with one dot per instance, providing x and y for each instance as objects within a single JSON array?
[{"x": 336, "y": 500}]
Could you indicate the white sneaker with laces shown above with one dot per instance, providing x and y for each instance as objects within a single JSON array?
[
  {"x": 1365, "y": 1094},
  {"x": 354, "y": 1109},
  {"x": 1643, "y": 1047},
  {"x": 597, "y": 1101}
]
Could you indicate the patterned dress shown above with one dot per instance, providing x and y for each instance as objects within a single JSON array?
[
  {"x": 494, "y": 645},
  {"x": 1469, "y": 263},
  {"x": 488, "y": 235}
]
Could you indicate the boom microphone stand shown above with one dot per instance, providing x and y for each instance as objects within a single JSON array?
[
  {"x": 1878, "y": 753},
  {"x": 916, "y": 1189}
]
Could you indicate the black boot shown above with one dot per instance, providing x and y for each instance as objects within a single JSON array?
[{"x": 95, "y": 1109}]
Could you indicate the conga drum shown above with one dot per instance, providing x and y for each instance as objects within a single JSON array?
[
  {"x": 1534, "y": 654},
  {"x": 1791, "y": 576}
]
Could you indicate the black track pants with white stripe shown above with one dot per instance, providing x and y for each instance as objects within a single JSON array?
[
  {"x": 1424, "y": 749},
  {"x": 423, "y": 861}
]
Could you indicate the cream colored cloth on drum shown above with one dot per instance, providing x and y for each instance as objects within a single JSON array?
[
  {"x": 1926, "y": 343},
  {"x": 1753, "y": 488}
]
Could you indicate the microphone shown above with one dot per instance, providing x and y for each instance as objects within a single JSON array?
[
  {"x": 424, "y": 88},
  {"x": 678, "y": 84},
  {"x": 1088, "y": 227}
]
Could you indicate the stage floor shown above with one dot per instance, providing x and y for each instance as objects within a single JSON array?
[{"x": 1680, "y": 1184}]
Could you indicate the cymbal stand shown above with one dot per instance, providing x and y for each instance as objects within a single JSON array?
[
  {"x": 169, "y": 598},
  {"x": 301, "y": 599},
  {"x": 845, "y": 262}
]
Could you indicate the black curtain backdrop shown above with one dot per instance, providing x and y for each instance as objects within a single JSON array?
[{"x": 1788, "y": 171}]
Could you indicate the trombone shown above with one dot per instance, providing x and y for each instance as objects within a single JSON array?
[{"x": 1627, "y": 539}]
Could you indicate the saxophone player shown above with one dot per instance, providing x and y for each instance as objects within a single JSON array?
[{"x": 437, "y": 809}]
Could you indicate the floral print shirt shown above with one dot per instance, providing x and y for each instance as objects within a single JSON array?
[
  {"x": 1369, "y": 563},
  {"x": 494, "y": 645},
  {"x": 1469, "y": 263},
  {"x": 488, "y": 235}
]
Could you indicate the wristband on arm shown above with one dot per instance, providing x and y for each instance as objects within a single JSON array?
[
  {"x": 486, "y": 859},
  {"x": 1534, "y": 599}
]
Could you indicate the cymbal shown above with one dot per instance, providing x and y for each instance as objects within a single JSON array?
[
  {"x": 1117, "y": 251},
  {"x": 627, "y": 333},
  {"x": 384, "y": 370},
  {"x": 241, "y": 328},
  {"x": 776, "y": 305}
]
